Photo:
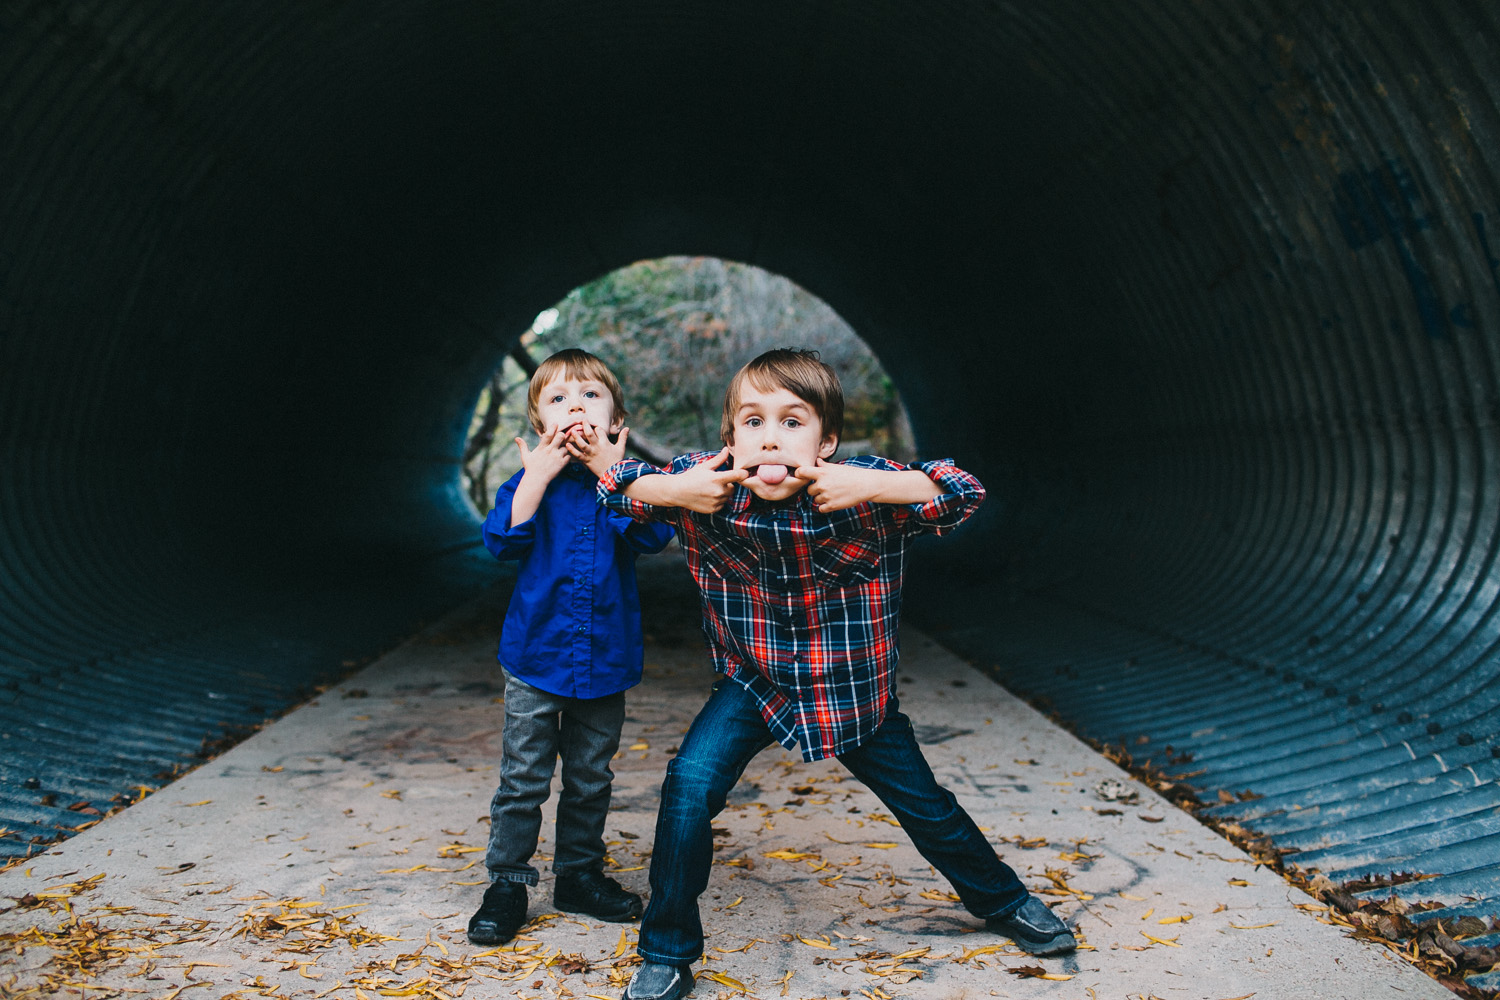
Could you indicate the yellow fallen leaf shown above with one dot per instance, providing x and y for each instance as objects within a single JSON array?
[
  {"x": 816, "y": 944},
  {"x": 391, "y": 793},
  {"x": 724, "y": 980},
  {"x": 1169, "y": 943},
  {"x": 457, "y": 850},
  {"x": 1138, "y": 899},
  {"x": 785, "y": 855},
  {"x": 882, "y": 846},
  {"x": 737, "y": 901},
  {"x": 1056, "y": 977},
  {"x": 1148, "y": 913},
  {"x": 620, "y": 948},
  {"x": 1252, "y": 927},
  {"x": 784, "y": 980},
  {"x": 190, "y": 805},
  {"x": 1238, "y": 881},
  {"x": 640, "y": 746},
  {"x": 1184, "y": 918},
  {"x": 165, "y": 996}
]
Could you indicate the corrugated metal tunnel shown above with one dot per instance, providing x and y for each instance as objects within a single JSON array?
[{"x": 1206, "y": 294}]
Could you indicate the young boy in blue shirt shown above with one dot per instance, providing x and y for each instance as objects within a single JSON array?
[
  {"x": 800, "y": 564},
  {"x": 570, "y": 646}
]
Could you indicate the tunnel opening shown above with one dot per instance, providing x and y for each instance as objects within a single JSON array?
[
  {"x": 1220, "y": 287},
  {"x": 675, "y": 330}
]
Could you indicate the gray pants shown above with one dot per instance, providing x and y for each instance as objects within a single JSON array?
[{"x": 540, "y": 727}]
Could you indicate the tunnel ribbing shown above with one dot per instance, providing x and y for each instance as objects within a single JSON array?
[{"x": 1207, "y": 295}]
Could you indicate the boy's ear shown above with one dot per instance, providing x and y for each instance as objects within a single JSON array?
[{"x": 829, "y": 445}]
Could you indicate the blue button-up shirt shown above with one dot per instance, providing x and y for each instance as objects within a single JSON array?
[{"x": 574, "y": 624}]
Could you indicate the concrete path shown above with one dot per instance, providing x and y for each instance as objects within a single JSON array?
[{"x": 338, "y": 854}]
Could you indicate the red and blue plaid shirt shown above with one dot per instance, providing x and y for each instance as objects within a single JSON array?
[{"x": 801, "y": 607}]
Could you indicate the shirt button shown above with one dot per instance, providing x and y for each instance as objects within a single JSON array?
[{"x": 583, "y": 628}]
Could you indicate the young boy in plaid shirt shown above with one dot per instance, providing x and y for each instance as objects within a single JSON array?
[{"x": 800, "y": 564}]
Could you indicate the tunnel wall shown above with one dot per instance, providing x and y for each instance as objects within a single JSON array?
[{"x": 1207, "y": 296}]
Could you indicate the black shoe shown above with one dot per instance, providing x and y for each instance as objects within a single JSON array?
[
  {"x": 590, "y": 891},
  {"x": 500, "y": 915},
  {"x": 1035, "y": 929},
  {"x": 653, "y": 981}
]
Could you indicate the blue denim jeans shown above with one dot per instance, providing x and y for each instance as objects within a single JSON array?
[
  {"x": 539, "y": 728},
  {"x": 727, "y": 733}
]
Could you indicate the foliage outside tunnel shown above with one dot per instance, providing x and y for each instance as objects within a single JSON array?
[{"x": 674, "y": 330}]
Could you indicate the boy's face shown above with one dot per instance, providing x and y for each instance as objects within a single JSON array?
[
  {"x": 775, "y": 432},
  {"x": 569, "y": 403}
]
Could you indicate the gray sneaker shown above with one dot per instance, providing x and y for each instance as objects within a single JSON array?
[
  {"x": 1035, "y": 929},
  {"x": 654, "y": 981}
]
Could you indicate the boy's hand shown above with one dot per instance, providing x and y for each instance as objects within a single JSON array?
[
  {"x": 701, "y": 488},
  {"x": 595, "y": 450},
  {"x": 548, "y": 458},
  {"x": 542, "y": 464},
  {"x": 837, "y": 487}
]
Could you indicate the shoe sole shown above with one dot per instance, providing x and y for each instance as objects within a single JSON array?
[
  {"x": 618, "y": 917},
  {"x": 1059, "y": 945},
  {"x": 495, "y": 938}
]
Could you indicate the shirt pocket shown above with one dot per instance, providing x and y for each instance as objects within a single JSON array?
[
  {"x": 729, "y": 558},
  {"x": 846, "y": 562}
]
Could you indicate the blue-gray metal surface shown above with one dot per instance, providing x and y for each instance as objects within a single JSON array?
[{"x": 1207, "y": 294}]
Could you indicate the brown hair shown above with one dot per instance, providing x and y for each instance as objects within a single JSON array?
[
  {"x": 798, "y": 372},
  {"x": 581, "y": 366}
]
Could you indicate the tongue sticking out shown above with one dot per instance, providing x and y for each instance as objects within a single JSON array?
[{"x": 771, "y": 474}]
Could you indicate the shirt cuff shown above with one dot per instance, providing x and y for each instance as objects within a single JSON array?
[
  {"x": 612, "y": 490},
  {"x": 961, "y": 497}
]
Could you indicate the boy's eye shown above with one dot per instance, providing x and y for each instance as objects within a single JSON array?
[
  {"x": 793, "y": 422},
  {"x": 557, "y": 399},
  {"x": 591, "y": 394},
  {"x": 752, "y": 422}
]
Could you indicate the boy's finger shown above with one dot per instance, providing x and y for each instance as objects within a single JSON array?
[
  {"x": 717, "y": 459},
  {"x": 521, "y": 447}
]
